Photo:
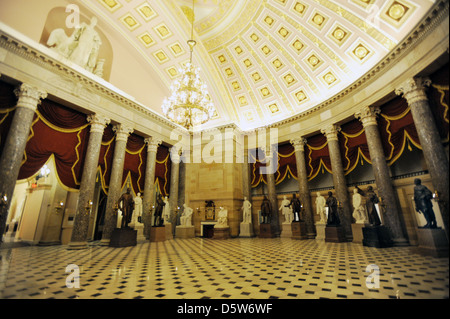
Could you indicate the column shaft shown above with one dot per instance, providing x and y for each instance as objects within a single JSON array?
[
  {"x": 174, "y": 177},
  {"x": 81, "y": 222},
  {"x": 15, "y": 143},
  {"x": 271, "y": 192},
  {"x": 115, "y": 182},
  {"x": 339, "y": 180},
  {"x": 149, "y": 187}
]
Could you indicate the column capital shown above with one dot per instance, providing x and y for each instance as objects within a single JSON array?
[
  {"x": 122, "y": 132},
  {"x": 152, "y": 144},
  {"x": 175, "y": 153},
  {"x": 299, "y": 143},
  {"x": 98, "y": 122},
  {"x": 331, "y": 132},
  {"x": 413, "y": 90},
  {"x": 368, "y": 115},
  {"x": 29, "y": 96}
]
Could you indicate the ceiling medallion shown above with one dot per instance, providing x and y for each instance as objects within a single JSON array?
[{"x": 189, "y": 104}]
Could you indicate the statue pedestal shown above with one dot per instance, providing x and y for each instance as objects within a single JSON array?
[
  {"x": 376, "y": 236},
  {"x": 320, "y": 230},
  {"x": 169, "y": 233},
  {"x": 286, "y": 231},
  {"x": 265, "y": 231},
  {"x": 185, "y": 232},
  {"x": 157, "y": 234},
  {"x": 432, "y": 242},
  {"x": 123, "y": 237},
  {"x": 334, "y": 234},
  {"x": 299, "y": 230},
  {"x": 221, "y": 233},
  {"x": 357, "y": 233},
  {"x": 140, "y": 231},
  {"x": 246, "y": 230}
]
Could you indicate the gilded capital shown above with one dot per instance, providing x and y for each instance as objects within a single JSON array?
[
  {"x": 29, "y": 96},
  {"x": 98, "y": 122},
  {"x": 299, "y": 143},
  {"x": 414, "y": 90},
  {"x": 152, "y": 144},
  {"x": 122, "y": 132},
  {"x": 331, "y": 132},
  {"x": 368, "y": 115}
]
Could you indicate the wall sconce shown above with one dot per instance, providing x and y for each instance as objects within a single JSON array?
[
  {"x": 436, "y": 195},
  {"x": 198, "y": 211},
  {"x": 44, "y": 172},
  {"x": 59, "y": 207},
  {"x": 88, "y": 207},
  {"x": 116, "y": 209},
  {"x": 4, "y": 200}
]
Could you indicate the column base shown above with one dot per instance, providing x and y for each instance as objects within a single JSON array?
[
  {"x": 335, "y": 234},
  {"x": 298, "y": 230},
  {"x": 77, "y": 245},
  {"x": 432, "y": 242},
  {"x": 377, "y": 236}
]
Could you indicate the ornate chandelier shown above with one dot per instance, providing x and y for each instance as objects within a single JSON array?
[{"x": 189, "y": 103}]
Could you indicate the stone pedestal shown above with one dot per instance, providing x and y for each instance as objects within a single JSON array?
[
  {"x": 376, "y": 236},
  {"x": 357, "y": 233},
  {"x": 139, "y": 227},
  {"x": 123, "y": 237},
  {"x": 221, "y": 233},
  {"x": 334, "y": 234},
  {"x": 320, "y": 230},
  {"x": 169, "y": 233},
  {"x": 266, "y": 231},
  {"x": 185, "y": 232},
  {"x": 246, "y": 230},
  {"x": 298, "y": 230},
  {"x": 432, "y": 242},
  {"x": 286, "y": 231},
  {"x": 157, "y": 234}
]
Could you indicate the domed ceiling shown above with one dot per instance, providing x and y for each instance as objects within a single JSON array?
[{"x": 265, "y": 60}]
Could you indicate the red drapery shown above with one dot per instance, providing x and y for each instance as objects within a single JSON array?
[
  {"x": 353, "y": 145},
  {"x": 317, "y": 155}
]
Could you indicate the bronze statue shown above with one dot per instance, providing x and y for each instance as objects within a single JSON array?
[
  {"x": 126, "y": 205},
  {"x": 296, "y": 207},
  {"x": 422, "y": 199},
  {"x": 372, "y": 199},
  {"x": 158, "y": 211},
  {"x": 333, "y": 216},
  {"x": 266, "y": 210}
]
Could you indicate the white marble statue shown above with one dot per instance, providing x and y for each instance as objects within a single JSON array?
[
  {"x": 359, "y": 212},
  {"x": 166, "y": 210},
  {"x": 222, "y": 218},
  {"x": 247, "y": 211},
  {"x": 186, "y": 216},
  {"x": 82, "y": 47},
  {"x": 137, "y": 209},
  {"x": 320, "y": 208},
  {"x": 286, "y": 210}
]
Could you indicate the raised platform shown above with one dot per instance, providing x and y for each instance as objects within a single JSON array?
[
  {"x": 334, "y": 234},
  {"x": 157, "y": 234},
  {"x": 123, "y": 237},
  {"x": 357, "y": 233},
  {"x": 185, "y": 232},
  {"x": 265, "y": 231},
  {"x": 432, "y": 242},
  {"x": 320, "y": 231},
  {"x": 221, "y": 233},
  {"x": 298, "y": 230},
  {"x": 377, "y": 236}
]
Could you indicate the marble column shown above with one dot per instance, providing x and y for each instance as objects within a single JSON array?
[
  {"x": 391, "y": 213},
  {"x": 149, "y": 187},
  {"x": 302, "y": 176},
  {"x": 115, "y": 181},
  {"x": 12, "y": 155},
  {"x": 246, "y": 179},
  {"x": 81, "y": 222},
  {"x": 174, "y": 179},
  {"x": 414, "y": 91},
  {"x": 339, "y": 180},
  {"x": 271, "y": 191}
]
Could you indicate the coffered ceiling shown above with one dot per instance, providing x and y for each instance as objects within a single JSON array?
[{"x": 265, "y": 60}]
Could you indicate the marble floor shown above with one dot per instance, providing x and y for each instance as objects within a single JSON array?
[{"x": 239, "y": 268}]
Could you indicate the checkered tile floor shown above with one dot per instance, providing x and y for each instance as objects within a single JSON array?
[{"x": 240, "y": 268}]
